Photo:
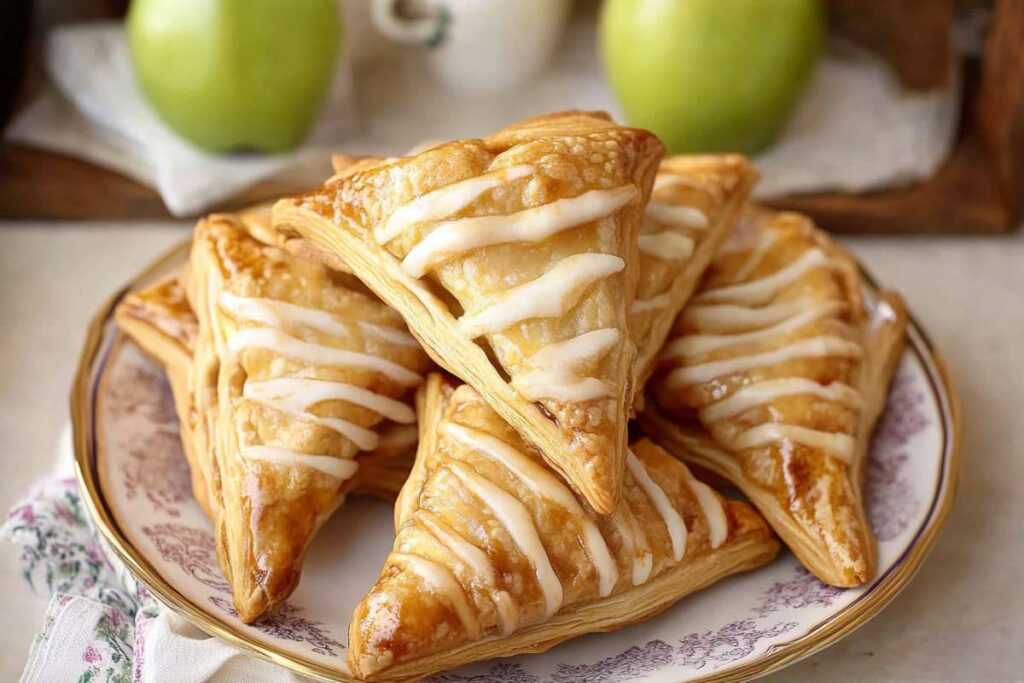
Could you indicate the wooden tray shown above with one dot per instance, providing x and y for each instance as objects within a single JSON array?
[{"x": 980, "y": 189}]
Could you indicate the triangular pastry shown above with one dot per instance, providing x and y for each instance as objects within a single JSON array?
[
  {"x": 160, "y": 320},
  {"x": 495, "y": 556},
  {"x": 786, "y": 368},
  {"x": 513, "y": 259},
  {"x": 292, "y": 376},
  {"x": 694, "y": 206}
]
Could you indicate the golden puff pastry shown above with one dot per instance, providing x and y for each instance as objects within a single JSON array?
[
  {"x": 293, "y": 375},
  {"x": 786, "y": 368},
  {"x": 513, "y": 259},
  {"x": 694, "y": 206},
  {"x": 160, "y": 320},
  {"x": 495, "y": 556}
]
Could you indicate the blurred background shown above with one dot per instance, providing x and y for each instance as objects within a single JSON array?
[
  {"x": 123, "y": 121},
  {"x": 870, "y": 115}
]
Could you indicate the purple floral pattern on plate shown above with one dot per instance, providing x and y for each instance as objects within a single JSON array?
[
  {"x": 140, "y": 390},
  {"x": 780, "y": 608},
  {"x": 890, "y": 501},
  {"x": 635, "y": 662},
  {"x": 733, "y": 641},
  {"x": 499, "y": 672},
  {"x": 286, "y": 624},
  {"x": 193, "y": 550},
  {"x": 156, "y": 469},
  {"x": 800, "y": 592}
]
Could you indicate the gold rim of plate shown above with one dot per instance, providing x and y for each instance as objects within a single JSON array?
[{"x": 780, "y": 655}]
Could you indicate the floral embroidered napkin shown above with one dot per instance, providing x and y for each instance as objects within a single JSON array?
[{"x": 101, "y": 624}]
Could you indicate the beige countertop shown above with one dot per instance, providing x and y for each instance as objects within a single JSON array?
[{"x": 962, "y": 618}]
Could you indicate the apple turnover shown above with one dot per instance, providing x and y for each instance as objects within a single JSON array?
[
  {"x": 512, "y": 259},
  {"x": 495, "y": 555},
  {"x": 293, "y": 374},
  {"x": 693, "y": 208},
  {"x": 786, "y": 367}
]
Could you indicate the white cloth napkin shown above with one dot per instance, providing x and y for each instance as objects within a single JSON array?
[
  {"x": 855, "y": 130},
  {"x": 100, "y": 623},
  {"x": 101, "y": 115}
]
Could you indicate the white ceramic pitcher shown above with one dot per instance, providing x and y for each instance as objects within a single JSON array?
[{"x": 477, "y": 46}]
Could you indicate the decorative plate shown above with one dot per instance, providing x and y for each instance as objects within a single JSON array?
[{"x": 136, "y": 485}]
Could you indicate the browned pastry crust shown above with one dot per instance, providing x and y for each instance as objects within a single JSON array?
[
  {"x": 293, "y": 375},
  {"x": 693, "y": 209},
  {"x": 437, "y": 236},
  {"x": 773, "y": 378},
  {"x": 160, "y": 320},
  {"x": 494, "y": 556}
]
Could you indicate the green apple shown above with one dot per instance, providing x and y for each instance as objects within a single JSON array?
[
  {"x": 235, "y": 74},
  {"x": 711, "y": 75}
]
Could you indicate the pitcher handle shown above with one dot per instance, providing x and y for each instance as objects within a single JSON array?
[{"x": 392, "y": 18}]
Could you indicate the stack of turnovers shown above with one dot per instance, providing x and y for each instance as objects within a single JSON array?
[
  {"x": 517, "y": 261},
  {"x": 293, "y": 386},
  {"x": 773, "y": 377},
  {"x": 495, "y": 556},
  {"x": 568, "y": 278}
]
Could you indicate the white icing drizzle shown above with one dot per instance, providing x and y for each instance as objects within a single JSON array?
[
  {"x": 303, "y": 393},
  {"x": 757, "y": 394},
  {"x": 545, "y": 485},
  {"x": 726, "y": 322},
  {"x": 840, "y": 445},
  {"x": 699, "y": 344},
  {"x": 668, "y": 245},
  {"x": 555, "y": 366},
  {"x": 673, "y": 521},
  {"x": 310, "y": 352},
  {"x": 666, "y": 180},
  {"x": 757, "y": 292},
  {"x": 338, "y": 468},
  {"x": 553, "y": 294},
  {"x": 711, "y": 506},
  {"x": 519, "y": 523},
  {"x": 392, "y": 335},
  {"x": 765, "y": 240},
  {"x": 443, "y": 202},
  {"x": 814, "y": 347},
  {"x": 670, "y": 214},
  {"x": 439, "y": 580},
  {"x": 721, "y": 318},
  {"x": 398, "y": 437},
  {"x": 298, "y": 407},
  {"x": 451, "y": 238},
  {"x": 643, "y": 560},
  {"x": 481, "y": 566},
  {"x": 654, "y": 303},
  {"x": 275, "y": 313}
]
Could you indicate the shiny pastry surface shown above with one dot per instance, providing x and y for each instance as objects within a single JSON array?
[
  {"x": 693, "y": 208},
  {"x": 293, "y": 373},
  {"x": 513, "y": 259},
  {"x": 495, "y": 555},
  {"x": 771, "y": 356}
]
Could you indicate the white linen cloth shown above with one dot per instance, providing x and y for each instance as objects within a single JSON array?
[
  {"x": 101, "y": 624},
  {"x": 856, "y": 129},
  {"x": 99, "y": 114}
]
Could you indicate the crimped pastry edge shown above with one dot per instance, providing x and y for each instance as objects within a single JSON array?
[
  {"x": 380, "y": 271},
  {"x": 883, "y": 349},
  {"x": 750, "y": 547},
  {"x": 686, "y": 281}
]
